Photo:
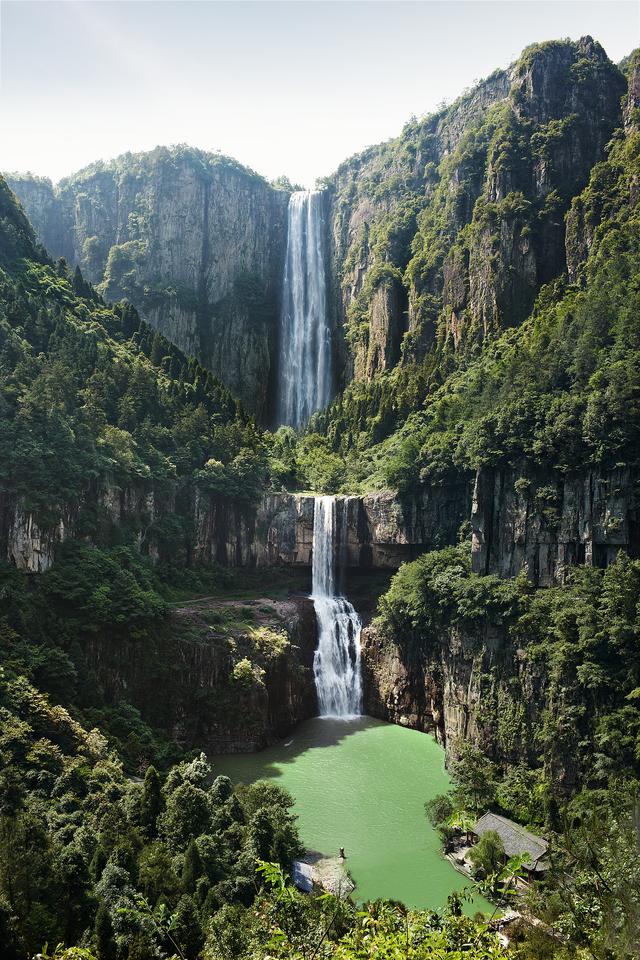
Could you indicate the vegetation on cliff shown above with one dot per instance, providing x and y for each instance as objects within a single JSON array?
[
  {"x": 553, "y": 725},
  {"x": 560, "y": 388},
  {"x": 95, "y": 402},
  {"x": 148, "y": 226},
  {"x": 490, "y": 313}
]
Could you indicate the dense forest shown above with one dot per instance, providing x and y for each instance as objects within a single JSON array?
[{"x": 118, "y": 840}]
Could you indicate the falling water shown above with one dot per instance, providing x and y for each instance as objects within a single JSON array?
[
  {"x": 305, "y": 337},
  {"x": 336, "y": 664}
]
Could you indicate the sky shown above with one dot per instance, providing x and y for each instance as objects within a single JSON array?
[{"x": 289, "y": 88}]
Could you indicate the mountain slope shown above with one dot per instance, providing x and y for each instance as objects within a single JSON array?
[
  {"x": 446, "y": 234},
  {"x": 104, "y": 423},
  {"x": 194, "y": 240},
  {"x": 438, "y": 238}
]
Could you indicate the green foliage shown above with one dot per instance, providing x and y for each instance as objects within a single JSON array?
[
  {"x": 560, "y": 390},
  {"x": 78, "y": 845},
  {"x": 289, "y": 925},
  {"x": 487, "y": 854},
  {"x": 582, "y": 638},
  {"x": 96, "y": 406}
]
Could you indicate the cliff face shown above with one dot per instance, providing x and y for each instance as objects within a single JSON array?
[
  {"x": 194, "y": 241},
  {"x": 520, "y": 520},
  {"x": 376, "y": 531},
  {"x": 472, "y": 687},
  {"x": 546, "y": 524},
  {"x": 208, "y": 700},
  {"x": 449, "y": 231}
]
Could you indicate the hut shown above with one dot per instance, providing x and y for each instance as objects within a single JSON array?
[{"x": 516, "y": 842}]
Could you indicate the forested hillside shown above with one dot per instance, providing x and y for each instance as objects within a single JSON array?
[
  {"x": 194, "y": 240},
  {"x": 485, "y": 288},
  {"x": 168, "y": 864}
]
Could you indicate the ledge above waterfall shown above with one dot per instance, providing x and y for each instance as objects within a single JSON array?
[{"x": 377, "y": 530}]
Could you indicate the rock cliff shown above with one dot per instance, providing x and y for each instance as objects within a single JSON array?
[
  {"x": 194, "y": 240},
  {"x": 234, "y": 675},
  {"x": 477, "y": 687},
  {"x": 450, "y": 230},
  {"x": 520, "y": 520}
]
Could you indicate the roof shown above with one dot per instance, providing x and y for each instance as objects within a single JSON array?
[{"x": 515, "y": 839}]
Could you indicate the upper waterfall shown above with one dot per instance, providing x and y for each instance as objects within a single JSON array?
[
  {"x": 336, "y": 663},
  {"x": 304, "y": 379}
]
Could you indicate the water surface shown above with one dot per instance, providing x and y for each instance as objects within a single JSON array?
[{"x": 361, "y": 784}]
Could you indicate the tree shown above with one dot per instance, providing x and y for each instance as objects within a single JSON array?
[
  {"x": 151, "y": 804},
  {"x": 156, "y": 875},
  {"x": 487, "y": 855},
  {"x": 187, "y": 815},
  {"x": 106, "y": 947},
  {"x": 221, "y": 790},
  {"x": 475, "y": 778},
  {"x": 186, "y": 929},
  {"x": 192, "y": 868},
  {"x": 439, "y": 809}
]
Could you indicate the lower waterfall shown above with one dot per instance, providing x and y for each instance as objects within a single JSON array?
[{"x": 336, "y": 663}]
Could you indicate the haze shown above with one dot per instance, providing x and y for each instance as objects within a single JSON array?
[{"x": 286, "y": 88}]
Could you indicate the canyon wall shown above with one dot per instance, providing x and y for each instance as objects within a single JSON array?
[
  {"x": 542, "y": 523},
  {"x": 448, "y": 232},
  {"x": 474, "y": 687},
  {"x": 206, "y": 701},
  {"x": 194, "y": 240}
]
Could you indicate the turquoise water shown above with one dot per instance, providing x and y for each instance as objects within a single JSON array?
[{"x": 362, "y": 784}]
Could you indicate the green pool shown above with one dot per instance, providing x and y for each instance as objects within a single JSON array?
[{"x": 361, "y": 784}]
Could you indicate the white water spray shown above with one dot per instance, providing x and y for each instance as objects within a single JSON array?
[
  {"x": 304, "y": 377},
  {"x": 336, "y": 664}
]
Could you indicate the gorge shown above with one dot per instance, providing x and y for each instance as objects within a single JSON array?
[{"x": 290, "y": 478}]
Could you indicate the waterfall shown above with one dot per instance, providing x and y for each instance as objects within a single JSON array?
[
  {"x": 336, "y": 664},
  {"x": 304, "y": 379}
]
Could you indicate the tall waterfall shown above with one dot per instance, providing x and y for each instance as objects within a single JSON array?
[
  {"x": 305, "y": 338},
  {"x": 336, "y": 664}
]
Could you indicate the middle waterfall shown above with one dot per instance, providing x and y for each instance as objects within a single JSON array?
[
  {"x": 336, "y": 663},
  {"x": 304, "y": 378}
]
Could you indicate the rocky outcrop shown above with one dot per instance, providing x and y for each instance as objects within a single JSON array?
[
  {"x": 450, "y": 230},
  {"x": 185, "y": 681},
  {"x": 469, "y": 687},
  {"x": 377, "y": 530},
  {"x": 465, "y": 210},
  {"x": 195, "y": 241},
  {"x": 28, "y": 546},
  {"x": 544, "y": 525},
  {"x": 607, "y": 190}
]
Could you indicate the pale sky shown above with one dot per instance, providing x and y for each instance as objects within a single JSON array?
[{"x": 287, "y": 88}]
